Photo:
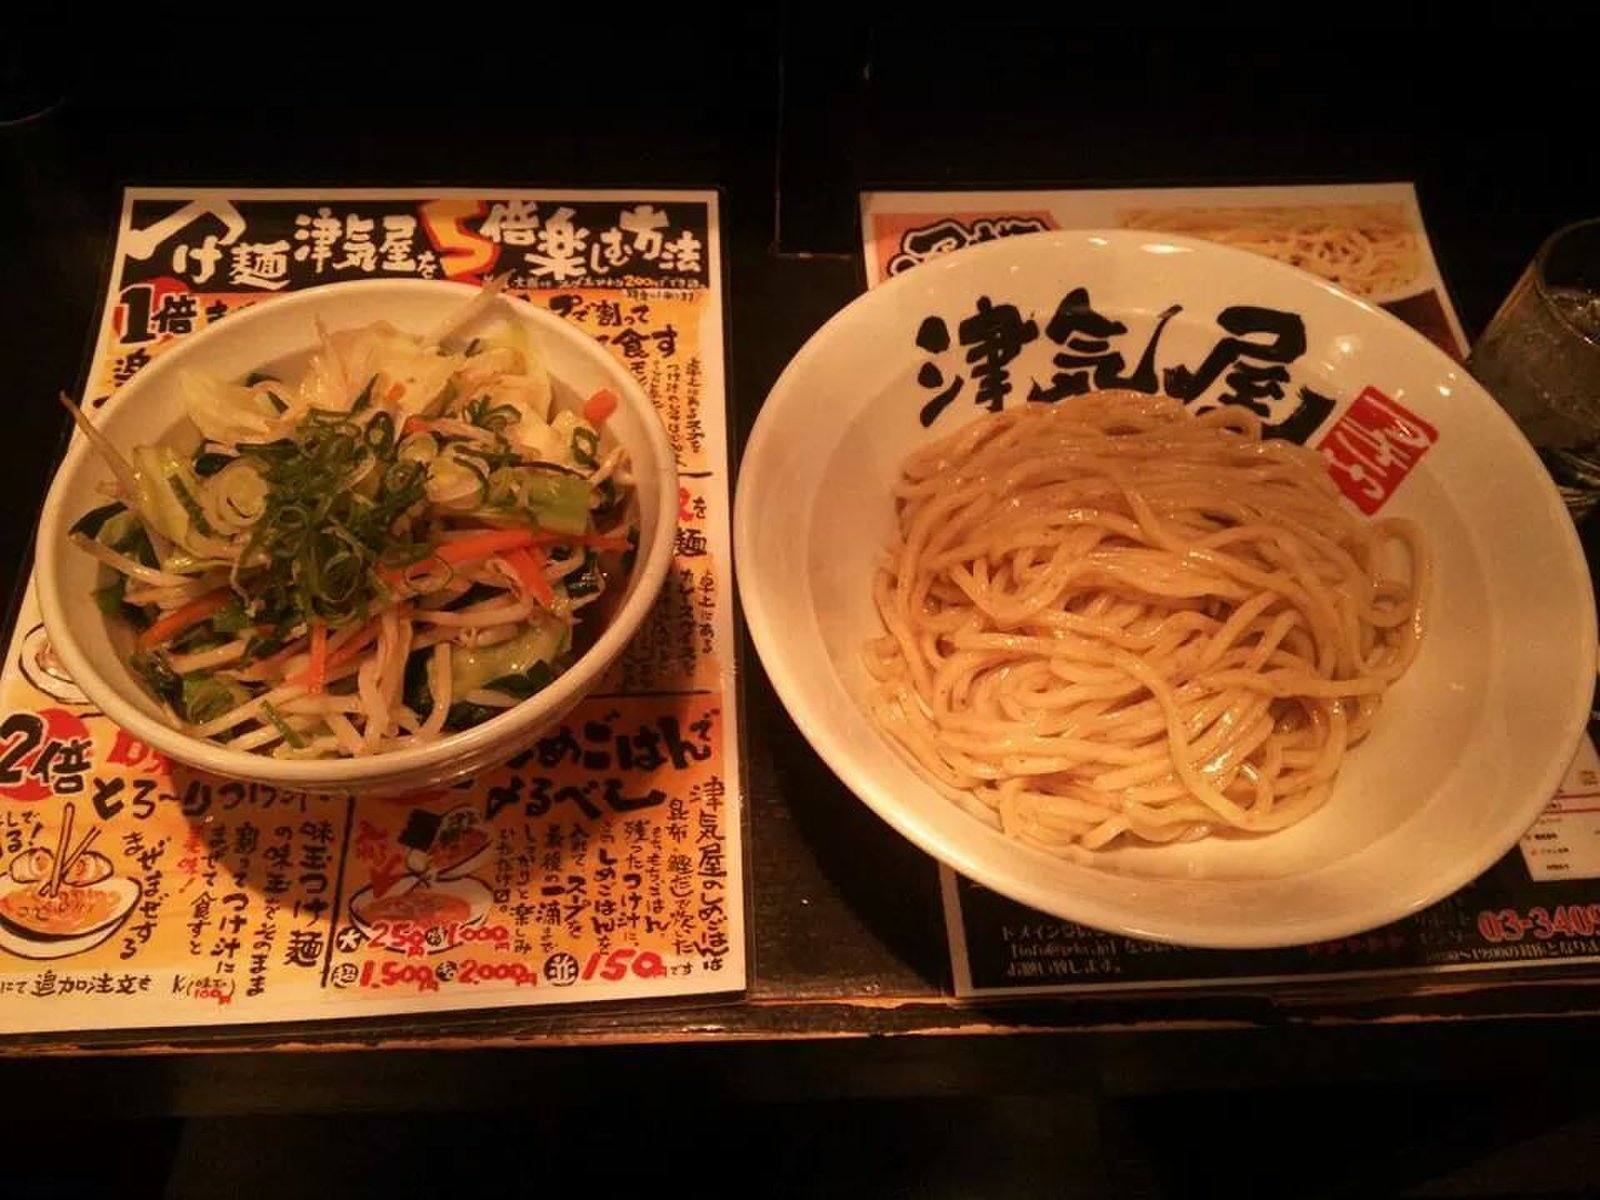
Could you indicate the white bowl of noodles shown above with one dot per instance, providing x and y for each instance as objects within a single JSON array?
[
  {"x": 1076, "y": 724},
  {"x": 473, "y": 405}
]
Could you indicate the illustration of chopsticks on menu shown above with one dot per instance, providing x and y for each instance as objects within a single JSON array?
[{"x": 63, "y": 859}]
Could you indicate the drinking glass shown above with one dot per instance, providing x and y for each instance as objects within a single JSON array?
[{"x": 1540, "y": 358}]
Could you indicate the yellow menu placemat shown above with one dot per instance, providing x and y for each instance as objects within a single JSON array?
[{"x": 603, "y": 863}]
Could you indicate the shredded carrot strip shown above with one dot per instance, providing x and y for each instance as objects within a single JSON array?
[
  {"x": 529, "y": 563},
  {"x": 317, "y": 671},
  {"x": 396, "y": 390},
  {"x": 342, "y": 655},
  {"x": 473, "y": 548},
  {"x": 600, "y": 406},
  {"x": 482, "y": 545},
  {"x": 489, "y": 542},
  {"x": 175, "y": 622}
]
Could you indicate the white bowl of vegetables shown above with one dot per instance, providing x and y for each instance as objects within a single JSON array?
[{"x": 367, "y": 538}]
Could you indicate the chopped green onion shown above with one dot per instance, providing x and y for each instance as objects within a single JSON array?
[
  {"x": 493, "y": 417},
  {"x": 586, "y": 447},
  {"x": 191, "y": 506},
  {"x": 379, "y": 436},
  {"x": 289, "y": 735}
]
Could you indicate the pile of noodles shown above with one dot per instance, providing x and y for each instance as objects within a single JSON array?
[{"x": 1109, "y": 619}]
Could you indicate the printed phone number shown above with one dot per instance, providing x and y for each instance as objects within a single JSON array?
[{"x": 1540, "y": 923}]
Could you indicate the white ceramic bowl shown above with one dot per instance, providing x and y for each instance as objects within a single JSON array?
[
  {"x": 1470, "y": 743},
  {"x": 280, "y": 334}
]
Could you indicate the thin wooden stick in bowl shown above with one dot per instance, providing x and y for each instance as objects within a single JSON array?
[
  {"x": 63, "y": 840},
  {"x": 88, "y": 840}
]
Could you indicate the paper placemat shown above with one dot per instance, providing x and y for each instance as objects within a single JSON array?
[{"x": 604, "y": 863}]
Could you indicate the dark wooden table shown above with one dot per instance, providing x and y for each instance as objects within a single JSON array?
[{"x": 790, "y": 117}]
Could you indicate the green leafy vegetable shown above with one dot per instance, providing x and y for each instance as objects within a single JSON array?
[
  {"x": 529, "y": 683},
  {"x": 93, "y": 521},
  {"x": 585, "y": 581},
  {"x": 197, "y": 638},
  {"x": 112, "y": 598},
  {"x": 464, "y": 715},
  {"x": 165, "y": 497},
  {"x": 210, "y": 462},
  {"x": 207, "y": 697},
  {"x": 558, "y": 502},
  {"x": 231, "y": 617},
  {"x": 153, "y": 669},
  {"x": 415, "y": 690},
  {"x": 134, "y": 542},
  {"x": 519, "y": 668}
]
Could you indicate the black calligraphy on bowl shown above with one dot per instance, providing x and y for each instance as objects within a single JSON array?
[{"x": 1248, "y": 365}]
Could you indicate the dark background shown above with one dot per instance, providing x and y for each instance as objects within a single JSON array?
[{"x": 793, "y": 113}]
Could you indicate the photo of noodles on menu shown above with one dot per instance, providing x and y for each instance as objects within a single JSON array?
[
  {"x": 1370, "y": 241},
  {"x": 1366, "y": 239},
  {"x": 1369, "y": 249}
]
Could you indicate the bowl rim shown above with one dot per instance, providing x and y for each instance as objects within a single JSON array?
[
  {"x": 968, "y": 856},
  {"x": 650, "y": 569}
]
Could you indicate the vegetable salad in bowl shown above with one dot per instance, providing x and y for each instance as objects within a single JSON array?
[{"x": 400, "y": 540}]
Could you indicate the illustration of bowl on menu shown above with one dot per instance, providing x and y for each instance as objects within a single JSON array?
[
  {"x": 42, "y": 668},
  {"x": 445, "y": 847},
  {"x": 61, "y": 902},
  {"x": 413, "y": 909}
]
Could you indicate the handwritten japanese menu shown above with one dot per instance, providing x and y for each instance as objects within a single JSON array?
[
  {"x": 602, "y": 863},
  {"x": 1540, "y": 905}
]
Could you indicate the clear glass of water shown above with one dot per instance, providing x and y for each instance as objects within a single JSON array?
[{"x": 1540, "y": 358}]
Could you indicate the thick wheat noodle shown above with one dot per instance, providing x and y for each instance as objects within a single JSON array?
[{"x": 1111, "y": 619}]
